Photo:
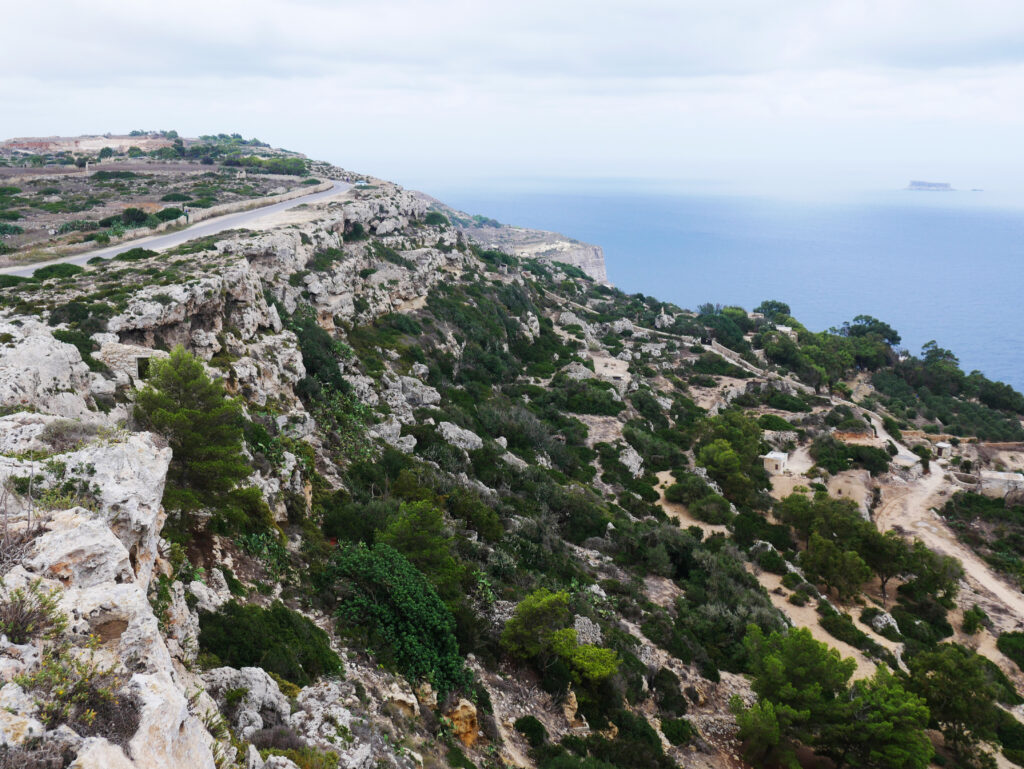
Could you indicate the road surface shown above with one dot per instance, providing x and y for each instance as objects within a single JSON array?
[{"x": 161, "y": 242}]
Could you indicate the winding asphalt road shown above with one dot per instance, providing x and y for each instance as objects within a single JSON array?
[{"x": 161, "y": 242}]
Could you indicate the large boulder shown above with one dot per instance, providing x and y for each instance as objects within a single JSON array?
[
  {"x": 460, "y": 437},
  {"x": 261, "y": 706}
]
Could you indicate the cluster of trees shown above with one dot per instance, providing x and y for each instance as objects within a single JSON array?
[
  {"x": 805, "y": 697},
  {"x": 836, "y": 456},
  {"x": 843, "y": 551},
  {"x": 270, "y": 165},
  {"x": 824, "y": 359},
  {"x": 992, "y": 528},
  {"x": 540, "y": 632},
  {"x": 729, "y": 447}
]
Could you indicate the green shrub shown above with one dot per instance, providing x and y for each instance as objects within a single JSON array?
[
  {"x": 689, "y": 489},
  {"x": 169, "y": 214},
  {"x": 175, "y": 197},
  {"x": 387, "y": 604},
  {"x": 533, "y": 730},
  {"x": 974, "y": 619},
  {"x": 306, "y": 757},
  {"x": 63, "y": 270},
  {"x": 772, "y": 561},
  {"x": 30, "y": 613},
  {"x": 277, "y": 639},
  {"x": 134, "y": 254},
  {"x": 1012, "y": 645},
  {"x": 74, "y": 689},
  {"x": 678, "y": 731},
  {"x": 435, "y": 218}
]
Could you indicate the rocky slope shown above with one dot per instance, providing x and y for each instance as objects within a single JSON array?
[{"x": 387, "y": 367}]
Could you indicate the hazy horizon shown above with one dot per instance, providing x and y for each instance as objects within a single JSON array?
[{"x": 736, "y": 95}]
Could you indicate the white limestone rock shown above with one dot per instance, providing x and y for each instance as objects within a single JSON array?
[
  {"x": 587, "y": 631},
  {"x": 79, "y": 549},
  {"x": 460, "y": 437},
  {"x": 363, "y": 388},
  {"x": 321, "y": 710},
  {"x": 885, "y": 621},
  {"x": 169, "y": 735},
  {"x": 632, "y": 460},
  {"x": 40, "y": 372},
  {"x": 129, "y": 477},
  {"x": 390, "y": 432},
  {"x": 578, "y": 371},
  {"x": 262, "y": 706}
]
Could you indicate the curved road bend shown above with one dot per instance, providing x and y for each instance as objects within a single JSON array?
[{"x": 208, "y": 227}]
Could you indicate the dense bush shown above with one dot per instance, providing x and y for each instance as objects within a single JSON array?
[
  {"x": 678, "y": 731},
  {"x": 134, "y": 254},
  {"x": 1012, "y": 645},
  {"x": 277, "y": 639},
  {"x": 386, "y": 603},
  {"x": 63, "y": 270},
  {"x": 30, "y": 613},
  {"x": 532, "y": 729}
]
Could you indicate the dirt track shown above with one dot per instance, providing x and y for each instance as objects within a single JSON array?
[{"x": 909, "y": 509}]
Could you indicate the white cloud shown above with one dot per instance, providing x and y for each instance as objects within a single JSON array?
[{"x": 862, "y": 90}]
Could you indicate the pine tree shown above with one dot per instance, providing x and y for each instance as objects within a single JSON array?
[{"x": 203, "y": 428}]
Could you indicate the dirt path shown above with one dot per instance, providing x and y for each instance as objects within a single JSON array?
[
  {"x": 909, "y": 510},
  {"x": 679, "y": 512},
  {"x": 807, "y": 616}
]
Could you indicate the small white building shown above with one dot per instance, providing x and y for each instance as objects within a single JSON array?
[
  {"x": 943, "y": 449},
  {"x": 787, "y": 331},
  {"x": 776, "y": 462}
]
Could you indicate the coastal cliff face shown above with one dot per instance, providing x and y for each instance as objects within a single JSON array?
[
  {"x": 493, "y": 512},
  {"x": 546, "y": 246},
  {"x": 525, "y": 242}
]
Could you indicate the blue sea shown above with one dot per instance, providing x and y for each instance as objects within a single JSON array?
[{"x": 934, "y": 265}]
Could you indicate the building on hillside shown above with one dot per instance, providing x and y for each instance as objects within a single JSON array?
[
  {"x": 943, "y": 450},
  {"x": 787, "y": 331},
  {"x": 776, "y": 462}
]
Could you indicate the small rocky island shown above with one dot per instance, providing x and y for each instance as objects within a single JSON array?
[{"x": 919, "y": 186}]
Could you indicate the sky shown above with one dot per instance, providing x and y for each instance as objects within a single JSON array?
[{"x": 741, "y": 95}]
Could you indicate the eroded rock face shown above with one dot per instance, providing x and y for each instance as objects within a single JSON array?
[
  {"x": 262, "y": 706},
  {"x": 464, "y": 722},
  {"x": 169, "y": 736},
  {"x": 129, "y": 476},
  {"x": 99, "y": 562},
  {"x": 233, "y": 294},
  {"x": 40, "y": 372}
]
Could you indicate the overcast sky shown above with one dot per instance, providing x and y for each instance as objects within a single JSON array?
[{"x": 447, "y": 93}]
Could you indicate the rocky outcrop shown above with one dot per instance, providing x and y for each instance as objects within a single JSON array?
[
  {"x": 259, "y": 704},
  {"x": 546, "y": 246},
  {"x": 464, "y": 722},
  {"x": 39, "y": 372},
  {"x": 460, "y": 437}
]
